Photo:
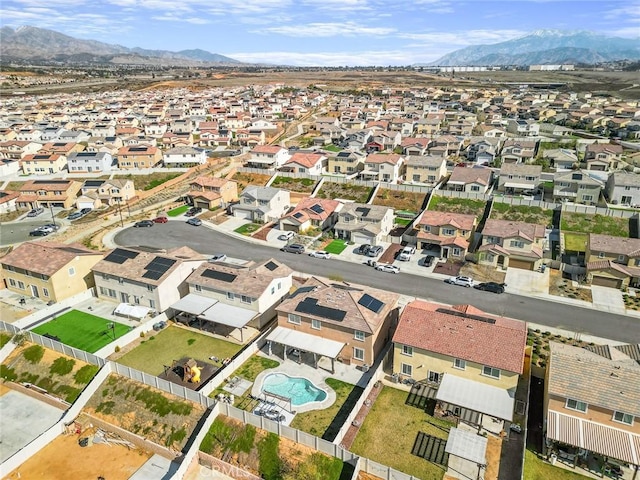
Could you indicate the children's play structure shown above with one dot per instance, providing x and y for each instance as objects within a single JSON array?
[{"x": 191, "y": 372}]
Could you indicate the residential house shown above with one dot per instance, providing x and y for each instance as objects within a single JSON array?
[
  {"x": 473, "y": 180},
  {"x": 517, "y": 178},
  {"x": 89, "y": 162},
  {"x": 518, "y": 151},
  {"x": 268, "y": 156},
  {"x": 181, "y": 157},
  {"x": 603, "y": 157},
  {"x": 507, "y": 243},
  {"x": 311, "y": 163},
  {"x": 49, "y": 271},
  {"x": 61, "y": 148},
  {"x": 345, "y": 322},
  {"x": 248, "y": 293},
  {"x": 415, "y": 146},
  {"x": 153, "y": 280},
  {"x": 9, "y": 167},
  {"x": 523, "y": 128},
  {"x": 363, "y": 223},
  {"x": 46, "y": 193},
  {"x": 212, "y": 192},
  {"x": 447, "y": 233},
  {"x": 561, "y": 158},
  {"x": 577, "y": 187},
  {"x": 613, "y": 261},
  {"x": 592, "y": 404},
  {"x": 316, "y": 213},
  {"x": 482, "y": 150},
  {"x": 262, "y": 204},
  {"x": 383, "y": 140},
  {"x": 445, "y": 146},
  {"x": 16, "y": 150},
  {"x": 97, "y": 193},
  {"x": 623, "y": 188},
  {"x": 461, "y": 348},
  {"x": 325, "y": 122},
  {"x": 43, "y": 163},
  {"x": 380, "y": 167},
  {"x": 425, "y": 169},
  {"x": 138, "y": 156},
  {"x": 8, "y": 201},
  {"x": 346, "y": 163}
]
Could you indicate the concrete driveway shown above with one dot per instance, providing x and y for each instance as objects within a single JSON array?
[
  {"x": 527, "y": 282},
  {"x": 607, "y": 299}
]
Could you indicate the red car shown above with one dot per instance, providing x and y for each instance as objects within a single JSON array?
[{"x": 161, "y": 220}]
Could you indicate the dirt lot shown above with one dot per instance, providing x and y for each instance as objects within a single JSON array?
[
  {"x": 482, "y": 273},
  {"x": 411, "y": 201},
  {"x": 494, "y": 448},
  {"x": 521, "y": 213},
  {"x": 244, "y": 179},
  {"x": 356, "y": 193},
  {"x": 64, "y": 459},
  {"x": 563, "y": 288},
  {"x": 302, "y": 185}
]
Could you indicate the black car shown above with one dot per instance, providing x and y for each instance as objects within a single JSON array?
[
  {"x": 491, "y": 287},
  {"x": 84, "y": 211},
  {"x": 363, "y": 249},
  {"x": 428, "y": 260},
  {"x": 74, "y": 216},
  {"x": 38, "y": 233},
  {"x": 293, "y": 248},
  {"x": 144, "y": 223}
]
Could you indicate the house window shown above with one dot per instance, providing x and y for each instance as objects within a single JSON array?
[
  {"x": 407, "y": 350},
  {"x": 136, "y": 300},
  {"x": 231, "y": 296},
  {"x": 295, "y": 319},
  {"x": 245, "y": 299},
  {"x": 45, "y": 291},
  {"x": 20, "y": 285},
  {"x": 273, "y": 290},
  {"x": 358, "y": 335},
  {"x": 456, "y": 252},
  {"x": 407, "y": 370},
  {"x": 152, "y": 303},
  {"x": 434, "y": 377},
  {"x": 448, "y": 231},
  {"x": 459, "y": 364},
  {"x": 576, "y": 405},
  {"x": 516, "y": 243},
  {"x": 72, "y": 271},
  {"x": 623, "y": 418},
  {"x": 427, "y": 228},
  {"x": 316, "y": 324},
  {"x": 120, "y": 280},
  {"x": 601, "y": 255},
  {"x": 150, "y": 288},
  {"x": 12, "y": 282},
  {"x": 475, "y": 188},
  {"x": 198, "y": 288},
  {"x": 621, "y": 258},
  {"x": 488, "y": 371},
  {"x": 358, "y": 353}
]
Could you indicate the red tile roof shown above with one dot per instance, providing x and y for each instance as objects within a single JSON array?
[
  {"x": 305, "y": 159},
  {"x": 427, "y": 326}
]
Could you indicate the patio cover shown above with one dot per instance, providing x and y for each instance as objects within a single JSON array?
[
  {"x": 477, "y": 396},
  {"x": 467, "y": 445},
  {"x": 193, "y": 304},
  {"x": 229, "y": 315},
  {"x": 595, "y": 437},
  {"x": 135, "y": 311},
  {"x": 524, "y": 186},
  {"x": 305, "y": 342}
]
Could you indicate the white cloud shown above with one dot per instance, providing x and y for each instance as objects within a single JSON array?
[
  {"x": 347, "y": 29},
  {"x": 470, "y": 37},
  {"x": 174, "y": 18},
  {"x": 328, "y": 59},
  {"x": 338, "y": 5}
]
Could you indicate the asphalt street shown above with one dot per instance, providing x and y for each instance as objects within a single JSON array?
[
  {"x": 553, "y": 314},
  {"x": 15, "y": 232}
]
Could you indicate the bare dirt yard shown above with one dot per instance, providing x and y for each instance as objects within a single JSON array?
[
  {"x": 244, "y": 179},
  {"x": 65, "y": 459},
  {"x": 357, "y": 193},
  {"x": 398, "y": 200},
  {"x": 563, "y": 287}
]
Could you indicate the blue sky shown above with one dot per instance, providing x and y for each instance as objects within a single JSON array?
[{"x": 319, "y": 32}]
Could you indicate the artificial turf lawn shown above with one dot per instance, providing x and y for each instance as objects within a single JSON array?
[
  {"x": 82, "y": 330},
  {"x": 178, "y": 211},
  {"x": 336, "y": 247}
]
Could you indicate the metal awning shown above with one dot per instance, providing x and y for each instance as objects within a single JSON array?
[
  {"x": 595, "y": 437},
  {"x": 494, "y": 401},
  {"x": 467, "y": 445},
  {"x": 134, "y": 311},
  {"x": 229, "y": 315},
  {"x": 305, "y": 342},
  {"x": 193, "y": 304},
  {"x": 524, "y": 186}
]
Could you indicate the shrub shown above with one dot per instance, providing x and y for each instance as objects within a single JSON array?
[
  {"x": 85, "y": 374},
  {"x": 106, "y": 407},
  {"x": 117, "y": 349},
  {"x": 62, "y": 366},
  {"x": 33, "y": 354},
  {"x": 270, "y": 463},
  {"x": 8, "y": 373}
]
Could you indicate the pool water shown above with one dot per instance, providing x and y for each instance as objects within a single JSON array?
[{"x": 298, "y": 389}]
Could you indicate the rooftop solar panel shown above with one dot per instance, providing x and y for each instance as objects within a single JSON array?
[
  {"x": 271, "y": 266},
  {"x": 310, "y": 306},
  {"x": 120, "y": 255},
  {"x": 216, "y": 275},
  {"x": 317, "y": 208},
  {"x": 152, "y": 274},
  {"x": 371, "y": 303}
]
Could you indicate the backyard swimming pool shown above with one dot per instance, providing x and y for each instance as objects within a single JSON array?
[{"x": 298, "y": 389}]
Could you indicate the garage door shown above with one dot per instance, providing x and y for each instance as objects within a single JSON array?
[
  {"x": 523, "y": 264},
  {"x": 606, "y": 282},
  {"x": 242, "y": 214},
  {"x": 359, "y": 238}
]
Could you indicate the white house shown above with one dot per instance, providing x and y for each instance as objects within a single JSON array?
[
  {"x": 262, "y": 204},
  {"x": 184, "y": 157},
  {"x": 311, "y": 163},
  {"x": 268, "y": 156},
  {"x": 89, "y": 162}
]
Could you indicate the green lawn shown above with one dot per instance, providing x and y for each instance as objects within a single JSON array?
[
  {"x": 389, "y": 431},
  {"x": 83, "y": 330},
  {"x": 327, "y": 422},
  {"x": 536, "y": 469},
  {"x": 602, "y": 224},
  {"x": 336, "y": 247},
  {"x": 332, "y": 148},
  {"x": 402, "y": 221},
  {"x": 247, "y": 228},
  {"x": 249, "y": 371},
  {"x": 178, "y": 211},
  {"x": 173, "y": 343},
  {"x": 4, "y": 338},
  {"x": 575, "y": 242}
]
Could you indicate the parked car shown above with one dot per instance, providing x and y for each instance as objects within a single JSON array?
[
  {"x": 39, "y": 233},
  {"x": 35, "y": 212},
  {"x": 286, "y": 236},
  {"x": 374, "y": 251},
  {"x": 74, "y": 215},
  {"x": 320, "y": 254},
  {"x": 428, "y": 260},
  {"x": 387, "y": 267},
  {"x": 143, "y": 223},
  {"x": 159, "y": 325},
  {"x": 460, "y": 280},
  {"x": 405, "y": 254},
  {"x": 196, "y": 222},
  {"x": 491, "y": 287},
  {"x": 363, "y": 249},
  {"x": 161, "y": 220},
  {"x": 190, "y": 213},
  {"x": 219, "y": 257},
  {"x": 293, "y": 248},
  {"x": 53, "y": 226},
  {"x": 84, "y": 211},
  {"x": 45, "y": 228}
]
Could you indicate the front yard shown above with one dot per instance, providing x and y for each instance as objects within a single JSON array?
[
  {"x": 247, "y": 229},
  {"x": 389, "y": 431},
  {"x": 563, "y": 287},
  {"x": 602, "y": 224},
  {"x": 336, "y": 247},
  {"x": 456, "y": 205}
]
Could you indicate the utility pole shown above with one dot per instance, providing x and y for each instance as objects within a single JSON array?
[
  {"x": 120, "y": 212},
  {"x": 53, "y": 218}
]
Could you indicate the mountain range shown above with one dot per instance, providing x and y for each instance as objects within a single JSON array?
[
  {"x": 39, "y": 44},
  {"x": 546, "y": 47}
]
